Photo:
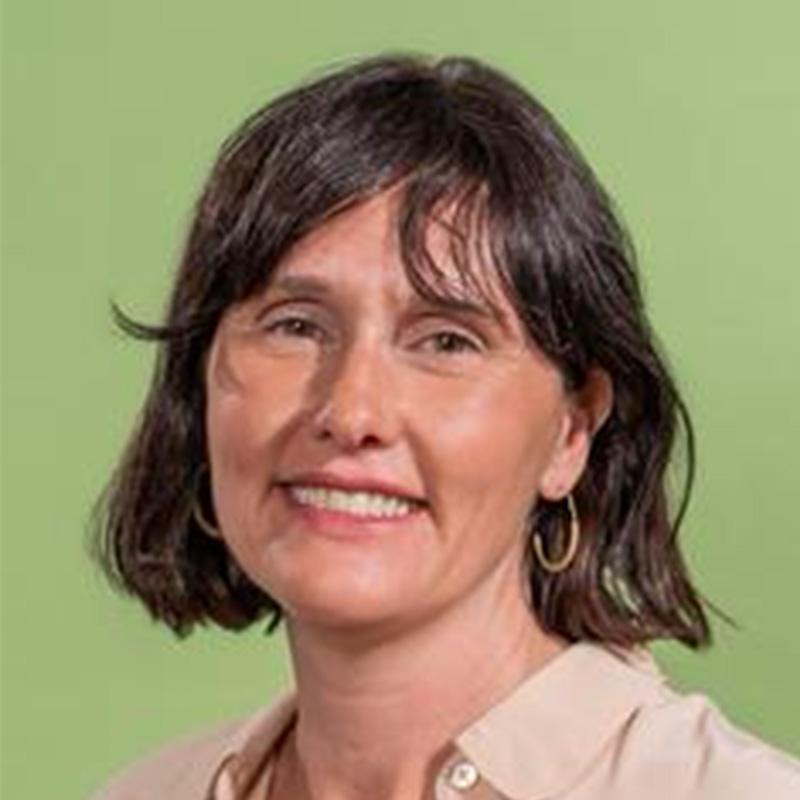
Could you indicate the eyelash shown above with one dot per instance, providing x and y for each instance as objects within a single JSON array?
[
  {"x": 288, "y": 326},
  {"x": 464, "y": 343}
]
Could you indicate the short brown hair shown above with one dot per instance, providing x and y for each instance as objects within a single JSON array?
[{"x": 459, "y": 133}]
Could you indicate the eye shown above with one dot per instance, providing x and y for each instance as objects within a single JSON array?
[
  {"x": 447, "y": 341},
  {"x": 298, "y": 327}
]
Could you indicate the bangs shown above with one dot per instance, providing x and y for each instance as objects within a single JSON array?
[
  {"x": 456, "y": 208},
  {"x": 467, "y": 165},
  {"x": 436, "y": 209},
  {"x": 433, "y": 204},
  {"x": 449, "y": 200}
]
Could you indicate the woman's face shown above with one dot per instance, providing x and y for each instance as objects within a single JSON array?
[{"x": 374, "y": 456}]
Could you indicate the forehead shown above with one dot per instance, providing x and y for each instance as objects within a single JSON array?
[{"x": 438, "y": 257}]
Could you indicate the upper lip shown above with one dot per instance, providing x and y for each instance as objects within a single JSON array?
[{"x": 352, "y": 483}]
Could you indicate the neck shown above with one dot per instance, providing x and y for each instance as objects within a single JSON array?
[{"x": 377, "y": 713}]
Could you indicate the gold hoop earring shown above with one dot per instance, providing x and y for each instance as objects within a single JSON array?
[
  {"x": 197, "y": 512},
  {"x": 554, "y": 566}
]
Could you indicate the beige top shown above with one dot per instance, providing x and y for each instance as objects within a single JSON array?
[{"x": 593, "y": 724}]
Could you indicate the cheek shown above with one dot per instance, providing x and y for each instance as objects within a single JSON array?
[
  {"x": 249, "y": 400},
  {"x": 231, "y": 434},
  {"x": 233, "y": 457},
  {"x": 249, "y": 411},
  {"x": 496, "y": 434}
]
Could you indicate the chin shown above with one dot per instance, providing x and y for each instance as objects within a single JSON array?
[{"x": 345, "y": 609}]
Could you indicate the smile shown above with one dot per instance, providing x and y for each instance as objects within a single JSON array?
[{"x": 356, "y": 503}]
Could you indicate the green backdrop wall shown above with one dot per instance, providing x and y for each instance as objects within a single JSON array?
[{"x": 690, "y": 111}]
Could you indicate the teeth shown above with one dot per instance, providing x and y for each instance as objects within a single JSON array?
[{"x": 362, "y": 504}]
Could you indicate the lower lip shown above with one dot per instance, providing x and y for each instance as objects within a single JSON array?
[{"x": 341, "y": 525}]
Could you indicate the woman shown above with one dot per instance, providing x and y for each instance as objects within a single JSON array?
[{"x": 408, "y": 402}]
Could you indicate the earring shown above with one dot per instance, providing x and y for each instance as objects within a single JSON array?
[
  {"x": 197, "y": 511},
  {"x": 554, "y": 566}
]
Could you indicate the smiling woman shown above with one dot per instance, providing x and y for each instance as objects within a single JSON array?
[
  {"x": 409, "y": 402},
  {"x": 426, "y": 424}
]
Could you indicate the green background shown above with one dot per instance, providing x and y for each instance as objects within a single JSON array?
[{"x": 112, "y": 111}]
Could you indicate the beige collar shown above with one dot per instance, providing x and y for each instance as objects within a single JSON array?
[{"x": 536, "y": 742}]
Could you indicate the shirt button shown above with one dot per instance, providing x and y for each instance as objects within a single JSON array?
[{"x": 463, "y": 775}]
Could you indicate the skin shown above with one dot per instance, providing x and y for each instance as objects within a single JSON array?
[{"x": 416, "y": 625}]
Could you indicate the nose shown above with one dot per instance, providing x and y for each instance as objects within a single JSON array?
[{"x": 356, "y": 407}]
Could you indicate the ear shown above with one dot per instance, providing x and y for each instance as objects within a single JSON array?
[{"x": 586, "y": 411}]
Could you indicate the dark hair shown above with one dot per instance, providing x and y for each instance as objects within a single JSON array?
[{"x": 451, "y": 133}]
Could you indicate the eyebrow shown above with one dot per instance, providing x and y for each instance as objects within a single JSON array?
[
  {"x": 311, "y": 286},
  {"x": 459, "y": 305},
  {"x": 300, "y": 284}
]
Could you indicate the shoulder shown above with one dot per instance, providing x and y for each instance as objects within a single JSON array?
[
  {"x": 601, "y": 722},
  {"x": 231, "y": 753},
  {"x": 685, "y": 743},
  {"x": 181, "y": 768}
]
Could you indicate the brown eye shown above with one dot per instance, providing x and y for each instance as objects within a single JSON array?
[
  {"x": 295, "y": 327},
  {"x": 452, "y": 342}
]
